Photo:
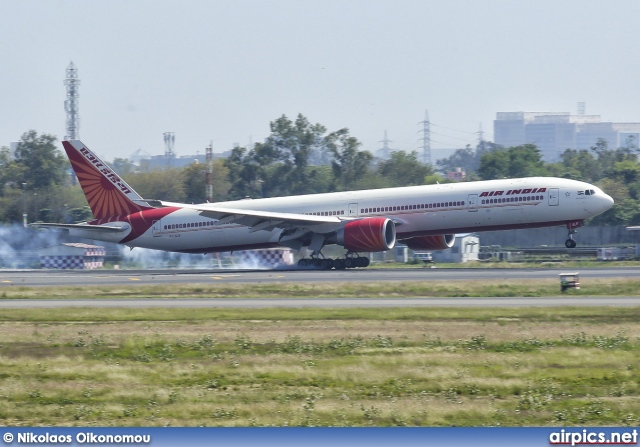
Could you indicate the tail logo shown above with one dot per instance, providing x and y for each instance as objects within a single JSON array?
[
  {"x": 108, "y": 173},
  {"x": 108, "y": 195}
]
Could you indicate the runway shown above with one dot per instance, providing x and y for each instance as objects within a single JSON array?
[
  {"x": 48, "y": 278},
  {"x": 321, "y": 303}
]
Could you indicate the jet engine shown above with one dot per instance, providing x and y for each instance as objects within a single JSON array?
[
  {"x": 438, "y": 242},
  {"x": 374, "y": 234}
]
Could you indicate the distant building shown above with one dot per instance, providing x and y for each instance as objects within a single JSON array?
[
  {"x": 72, "y": 256},
  {"x": 553, "y": 133},
  {"x": 457, "y": 175},
  {"x": 465, "y": 249},
  {"x": 13, "y": 147},
  {"x": 159, "y": 162}
]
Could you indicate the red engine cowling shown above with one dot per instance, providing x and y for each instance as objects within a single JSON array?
[
  {"x": 375, "y": 234},
  {"x": 438, "y": 242}
]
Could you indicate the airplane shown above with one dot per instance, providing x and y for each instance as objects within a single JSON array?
[{"x": 422, "y": 217}]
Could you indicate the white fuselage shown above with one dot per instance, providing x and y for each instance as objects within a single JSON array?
[{"x": 417, "y": 211}]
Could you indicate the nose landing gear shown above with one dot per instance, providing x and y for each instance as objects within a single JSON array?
[
  {"x": 570, "y": 243},
  {"x": 571, "y": 226}
]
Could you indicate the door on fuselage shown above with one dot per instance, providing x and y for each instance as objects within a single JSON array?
[
  {"x": 554, "y": 196},
  {"x": 156, "y": 228},
  {"x": 473, "y": 202}
]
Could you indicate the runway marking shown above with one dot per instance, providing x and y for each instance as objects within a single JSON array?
[
  {"x": 134, "y": 279},
  {"x": 6, "y": 280},
  {"x": 224, "y": 276}
]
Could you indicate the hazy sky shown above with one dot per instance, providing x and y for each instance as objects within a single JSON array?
[{"x": 222, "y": 70}]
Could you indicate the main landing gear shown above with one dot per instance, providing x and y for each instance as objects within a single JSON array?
[{"x": 317, "y": 260}]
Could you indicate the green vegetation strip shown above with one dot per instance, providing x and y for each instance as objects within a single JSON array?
[
  {"x": 305, "y": 367},
  {"x": 219, "y": 289}
]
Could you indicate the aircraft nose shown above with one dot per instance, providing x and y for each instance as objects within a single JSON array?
[
  {"x": 606, "y": 201},
  {"x": 609, "y": 200}
]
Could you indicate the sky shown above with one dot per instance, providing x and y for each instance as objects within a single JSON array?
[{"x": 221, "y": 71}]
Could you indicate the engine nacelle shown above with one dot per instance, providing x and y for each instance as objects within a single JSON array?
[
  {"x": 374, "y": 234},
  {"x": 438, "y": 242}
]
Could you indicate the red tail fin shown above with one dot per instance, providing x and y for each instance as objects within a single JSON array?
[{"x": 108, "y": 195}]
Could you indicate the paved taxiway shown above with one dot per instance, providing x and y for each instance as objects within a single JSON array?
[
  {"x": 43, "y": 278},
  {"x": 48, "y": 278}
]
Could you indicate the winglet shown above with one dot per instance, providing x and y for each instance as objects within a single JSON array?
[{"x": 108, "y": 195}]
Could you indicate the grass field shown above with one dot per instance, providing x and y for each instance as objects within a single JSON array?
[{"x": 306, "y": 367}]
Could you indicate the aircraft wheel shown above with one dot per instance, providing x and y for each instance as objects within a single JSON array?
[
  {"x": 570, "y": 243},
  {"x": 350, "y": 263},
  {"x": 365, "y": 261},
  {"x": 303, "y": 262},
  {"x": 339, "y": 264},
  {"x": 326, "y": 264}
]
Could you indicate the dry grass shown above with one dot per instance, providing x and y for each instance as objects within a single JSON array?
[{"x": 298, "y": 367}]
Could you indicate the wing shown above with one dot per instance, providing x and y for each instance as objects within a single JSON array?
[{"x": 264, "y": 220}]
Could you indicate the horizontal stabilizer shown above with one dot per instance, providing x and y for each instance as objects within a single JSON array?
[{"x": 97, "y": 228}]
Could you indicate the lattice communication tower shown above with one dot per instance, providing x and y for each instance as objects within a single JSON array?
[
  {"x": 385, "y": 152},
  {"x": 426, "y": 139},
  {"x": 209, "y": 174},
  {"x": 71, "y": 103},
  {"x": 169, "y": 143}
]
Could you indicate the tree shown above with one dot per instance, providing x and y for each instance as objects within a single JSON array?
[
  {"x": 195, "y": 176},
  {"x": 494, "y": 165},
  {"x": 626, "y": 171},
  {"x": 468, "y": 159},
  {"x": 279, "y": 165},
  {"x": 11, "y": 173},
  {"x": 525, "y": 161},
  {"x": 349, "y": 164},
  {"x": 244, "y": 174},
  {"x": 80, "y": 214},
  {"x": 607, "y": 158},
  {"x": 34, "y": 181},
  {"x": 404, "y": 169},
  {"x": 516, "y": 161},
  {"x": 625, "y": 210},
  {"x": 158, "y": 185},
  {"x": 320, "y": 179},
  {"x": 44, "y": 165},
  {"x": 288, "y": 149},
  {"x": 123, "y": 166},
  {"x": 579, "y": 165}
]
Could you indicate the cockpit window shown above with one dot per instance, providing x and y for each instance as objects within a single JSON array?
[{"x": 590, "y": 192}]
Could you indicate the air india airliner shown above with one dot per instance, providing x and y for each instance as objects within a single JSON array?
[{"x": 422, "y": 217}]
